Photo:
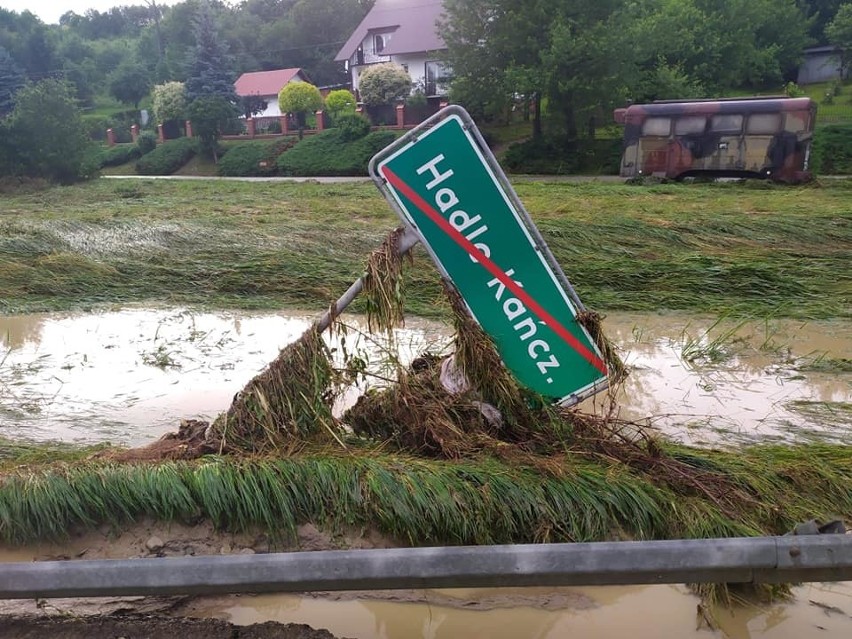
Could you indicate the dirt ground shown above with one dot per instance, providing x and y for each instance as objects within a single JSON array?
[{"x": 148, "y": 627}]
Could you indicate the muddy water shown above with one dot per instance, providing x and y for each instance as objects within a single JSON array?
[
  {"x": 129, "y": 376},
  {"x": 647, "y": 612}
]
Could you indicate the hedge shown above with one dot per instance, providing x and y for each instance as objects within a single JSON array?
[
  {"x": 117, "y": 155},
  {"x": 329, "y": 153},
  {"x": 832, "y": 150},
  {"x": 244, "y": 158},
  {"x": 557, "y": 156},
  {"x": 167, "y": 157}
]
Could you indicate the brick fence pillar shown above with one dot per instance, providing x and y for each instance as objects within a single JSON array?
[
  {"x": 285, "y": 124},
  {"x": 161, "y": 133},
  {"x": 252, "y": 129},
  {"x": 189, "y": 128},
  {"x": 110, "y": 137},
  {"x": 320, "y": 120},
  {"x": 444, "y": 103},
  {"x": 134, "y": 132},
  {"x": 400, "y": 116}
]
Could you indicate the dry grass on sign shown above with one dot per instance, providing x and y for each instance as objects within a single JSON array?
[
  {"x": 289, "y": 402},
  {"x": 383, "y": 285}
]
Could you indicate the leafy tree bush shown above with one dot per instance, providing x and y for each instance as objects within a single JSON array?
[
  {"x": 129, "y": 83},
  {"x": 118, "y": 155},
  {"x": 383, "y": 84},
  {"x": 146, "y": 142},
  {"x": 169, "y": 101},
  {"x": 832, "y": 150},
  {"x": 839, "y": 33},
  {"x": 167, "y": 157},
  {"x": 299, "y": 98},
  {"x": 47, "y": 133},
  {"x": 245, "y": 158},
  {"x": 328, "y": 153},
  {"x": 550, "y": 155},
  {"x": 352, "y": 126},
  {"x": 340, "y": 102},
  {"x": 11, "y": 79},
  {"x": 209, "y": 115}
]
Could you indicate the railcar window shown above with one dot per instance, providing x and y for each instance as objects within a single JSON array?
[
  {"x": 657, "y": 126},
  {"x": 690, "y": 125},
  {"x": 726, "y": 123},
  {"x": 763, "y": 123},
  {"x": 796, "y": 122}
]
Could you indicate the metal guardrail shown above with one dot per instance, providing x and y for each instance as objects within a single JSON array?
[{"x": 758, "y": 560}]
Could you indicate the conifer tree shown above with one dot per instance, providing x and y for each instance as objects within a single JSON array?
[{"x": 11, "y": 79}]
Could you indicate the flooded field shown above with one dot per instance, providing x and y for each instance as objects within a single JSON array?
[{"x": 129, "y": 376}]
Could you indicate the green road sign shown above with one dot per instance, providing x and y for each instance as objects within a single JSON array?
[{"x": 444, "y": 182}]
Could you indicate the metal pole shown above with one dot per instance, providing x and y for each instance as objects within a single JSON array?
[{"x": 760, "y": 559}]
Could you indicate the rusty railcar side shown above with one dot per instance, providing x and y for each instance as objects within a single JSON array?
[{"x": 749, "y": 137}]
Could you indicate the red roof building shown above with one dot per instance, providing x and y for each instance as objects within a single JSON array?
[{"x": 267, "y": 84}]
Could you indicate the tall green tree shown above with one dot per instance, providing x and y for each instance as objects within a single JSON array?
[
  {"x": 11, "y": 80},
  {"x": 210, "y": 69},
  {"x": 129, "y": 83},
  {"x": 839, "y": 33}
]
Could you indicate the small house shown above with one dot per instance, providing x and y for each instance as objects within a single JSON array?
[{"x": 266, "y": 85}]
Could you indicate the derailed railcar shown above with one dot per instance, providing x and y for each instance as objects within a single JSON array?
[{"x": 744, "y": 137}]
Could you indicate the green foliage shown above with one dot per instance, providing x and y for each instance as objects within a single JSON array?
[
  {"x": 47, "y": 133},
  {"x": 169, "y": 101},
  {"x": 251, "y": 105},
  {"x": 558, "y": 156},
  {"x": 329, "y": 153},
  {"x": 339, "y": 102},
  {"x": 118, "y": 155},
  {"x": 11, "y": 79},
  {"x": 209, "y": 115},
  {"x": 210, "y": 67},
  {"x": 167, "y": 157},
  {"x": 832, "y": 150},
  {"x": 839, "y": 33},
  {"x": 129, "y": 83},
  {"x": 299, "y": 98},
  {"x": 352, "y": 126},
  {"x": 258, "y": 157},
  {"x": 146, "y": 142},
  {"x": 793, "y": 90},
  {"x": 381, "y": 84}
]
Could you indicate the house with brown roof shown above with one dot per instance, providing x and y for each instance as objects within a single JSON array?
[
  {"x": 266, "y": 85},
  {"x": 404, "y": 32}
]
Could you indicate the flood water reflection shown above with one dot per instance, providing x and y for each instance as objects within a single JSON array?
[{"x": 129, "y": 376}]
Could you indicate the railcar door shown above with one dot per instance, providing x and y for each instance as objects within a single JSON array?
[
  {"x": 653, "y": 151},
  {"x": 728, "y": 155}
]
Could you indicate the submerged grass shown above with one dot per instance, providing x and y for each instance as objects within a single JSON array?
[
  {"x": 422, "y": 502},
  {"x": 721, "y": 249}
]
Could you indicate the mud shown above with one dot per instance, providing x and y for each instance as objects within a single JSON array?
[{"x": 142, "y": 627}]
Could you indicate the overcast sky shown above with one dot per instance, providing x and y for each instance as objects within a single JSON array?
[{"x": 50, "y": 10}]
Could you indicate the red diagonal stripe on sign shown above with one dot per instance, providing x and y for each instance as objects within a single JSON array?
[{"x": 492, "y": 268}]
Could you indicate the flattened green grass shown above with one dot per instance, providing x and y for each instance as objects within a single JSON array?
[
  {"x": 719, "y": 248},
  {"x": 422, "y": 502}
]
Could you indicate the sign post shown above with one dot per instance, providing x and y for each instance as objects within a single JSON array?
[{"x": 445, "y": 184}]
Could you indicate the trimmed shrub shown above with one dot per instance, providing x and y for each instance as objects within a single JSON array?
[
  {"x": 118, "y": 155},
  {"x": 167, "y": 157},
  {"x": 246, "y": 159},
  {"x": 384, "y": 84},
  {"x": 352, "y": 126},
  {"x": 328, "y": 153},
  {"x": 832, "y": 150},
  {"x": 338, "y": 103},
  {"x": 146, "y": 142},
  {"x": 558, "y": 156}
]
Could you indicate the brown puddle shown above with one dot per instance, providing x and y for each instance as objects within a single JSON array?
[
  {"x": 637, "y": 612},
  {"x": 129, "y": 376}
]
